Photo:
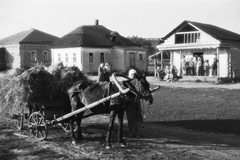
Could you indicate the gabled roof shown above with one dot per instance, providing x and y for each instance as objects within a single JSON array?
[
  {"x": 91, "y": 36},
  {"x": 214, "y": 31},
  {"x": 32, "y": 36}
]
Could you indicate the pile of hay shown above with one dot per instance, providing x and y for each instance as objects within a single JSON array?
[{"x": 37, "y": 84}]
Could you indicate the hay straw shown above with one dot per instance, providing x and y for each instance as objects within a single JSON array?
[{"x": 36, "y": 84}]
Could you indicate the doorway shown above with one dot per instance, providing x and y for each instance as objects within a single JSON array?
[
  {"x": 199, "y": 71},
  {"x": 198, "y": 54},
  {"x": 132, "y": 60}
]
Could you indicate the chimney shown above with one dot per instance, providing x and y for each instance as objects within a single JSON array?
[{"x": 96, "y": 22}]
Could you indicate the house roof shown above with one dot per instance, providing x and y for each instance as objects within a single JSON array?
[
  {"x": 32, "y": 36},
  {"x": 92, "y": 36},
  {"x": 216, "y": 32}
]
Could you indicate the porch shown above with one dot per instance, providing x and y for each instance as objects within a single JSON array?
[{"x": 199, "y": 79}]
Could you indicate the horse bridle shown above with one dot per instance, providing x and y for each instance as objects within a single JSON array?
[
  {"x": 133, "y": 90},
  {"x": 141, "y": 94}
]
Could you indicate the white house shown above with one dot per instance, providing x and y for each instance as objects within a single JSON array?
[
  {"x": 204, "y": 40},
  {"x": 89, "y": 45}
]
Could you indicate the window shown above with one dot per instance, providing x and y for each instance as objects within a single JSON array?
[
  {"x": 140, "y": 57},
  {"x": 74, "y": 58},
  {"x": 101, "y": 57},
  {"x": 191, "y": 37},
  {"x": 33, "y": 56},
  {"x": 66, "y": 58},
  {"x": 90, "y": 57},
  {"x": 45, "y": 55},
  {"x": 59, "y": 58}
]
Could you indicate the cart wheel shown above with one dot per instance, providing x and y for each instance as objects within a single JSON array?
[
  {"x": 66, "y": 127},
  {"x": 37, "y": 126}
]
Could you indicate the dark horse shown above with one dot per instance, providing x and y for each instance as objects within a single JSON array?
[{"x": 83, "y": 93}]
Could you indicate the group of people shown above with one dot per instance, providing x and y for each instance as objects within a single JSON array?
[
  {"x": 198, "y": 66},
  {"x": 169, "y": 74},
  {"x": 134, "y": 112}
]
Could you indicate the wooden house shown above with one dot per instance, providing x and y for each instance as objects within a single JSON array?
[
  {"x": 204, "y": 40},
  {"x": 25, "y": 49},
  {"x": 89, "y": 45}
]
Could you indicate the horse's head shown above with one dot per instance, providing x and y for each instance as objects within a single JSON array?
[
  {"x": 142, "y": 87},
  {"x": 139, "y": 86}
]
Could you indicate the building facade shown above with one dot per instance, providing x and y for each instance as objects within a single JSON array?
[
  {"x": 90, "y": 45},
  {"x": 194, "y": 39},
  {"x": 25, "y": 49}
]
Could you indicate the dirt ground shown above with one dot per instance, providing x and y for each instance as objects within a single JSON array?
[{"x": 177, "y": 127}]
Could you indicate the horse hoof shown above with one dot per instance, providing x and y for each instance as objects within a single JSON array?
[
  {"x": 108, "y": 147},
  {"x": 74, "y": 142},
  {"x": 123, "y": 145}
]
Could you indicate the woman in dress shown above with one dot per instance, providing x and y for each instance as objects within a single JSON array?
[
  {"x": 107, "y": 72},
  {"x": 100, "y": 77}
]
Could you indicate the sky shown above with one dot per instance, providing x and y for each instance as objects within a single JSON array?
[{"x": 142, "y": 18}]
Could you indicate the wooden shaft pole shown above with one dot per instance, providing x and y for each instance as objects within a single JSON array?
[
  {"x": 89, "y": 106},
  {"x": 154, "y": 89}
]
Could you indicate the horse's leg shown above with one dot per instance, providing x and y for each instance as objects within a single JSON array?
[
  {"x": 79, "y": 121},
  {"x": 112, "y": 116},
  {"x": 72, "y": 130},
  {"x": 120, "y": 128},
  {"x": 74, "y": 103}
]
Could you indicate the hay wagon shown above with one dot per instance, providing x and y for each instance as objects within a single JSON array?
[
  {"x": 38, "y": 115},
  {"x": 42, "y": 114}
]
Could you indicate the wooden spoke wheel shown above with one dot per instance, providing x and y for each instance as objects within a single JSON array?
[
  {"x": 66, "y": 127},
  {"x": 38, "y": 126}
]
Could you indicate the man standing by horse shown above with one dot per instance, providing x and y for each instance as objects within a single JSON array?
[{"x": 134, "y": 113}]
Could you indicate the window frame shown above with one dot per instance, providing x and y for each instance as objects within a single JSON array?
[
  {"x": 140, "y": 55},
  {"x": 45, "y": 59},
  {"x": 59, "y": 58},
  {"x": 33, "y": 58},
  {"x": 66, "y": 58},
  {"x": 74, "y": 58},
  {"x": 90, "y": 58},
  {"x": 187, "y": 37},
  {"x": 102, "y": 57}
]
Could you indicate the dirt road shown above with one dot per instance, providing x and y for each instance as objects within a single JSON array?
[
  {"x": 178, "y": 127},
  {"x": 157, "y": 141}
]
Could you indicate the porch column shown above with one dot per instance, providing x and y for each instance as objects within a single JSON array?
[
  {"x": 155, "y": 65},
  {"x": 218, "y": 68},
  {"x": 161, "y": 59},
  {"x": 180, "y": 71}
]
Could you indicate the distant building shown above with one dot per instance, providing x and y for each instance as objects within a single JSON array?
[
  {"x": 204, "y": 40},
  {"x": 89, "y": 45},
  {"x": 25, "y": 49}
]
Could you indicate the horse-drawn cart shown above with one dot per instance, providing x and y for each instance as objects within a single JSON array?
[
  {"x": 37, "y": 115},
  {"x": 44, "y": 114},
  {"x": 41, "y": 115}
]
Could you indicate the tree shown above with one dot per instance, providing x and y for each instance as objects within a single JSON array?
[{"x": 149, "y": 44}]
